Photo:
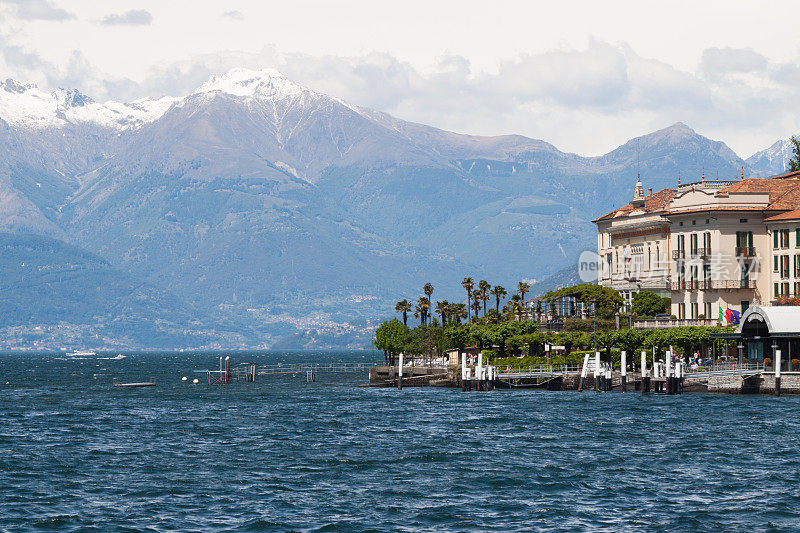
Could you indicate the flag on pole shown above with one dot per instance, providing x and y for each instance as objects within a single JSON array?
[
  {"x": 731, "y": 316},
  {"x": 721, "y": 315}
]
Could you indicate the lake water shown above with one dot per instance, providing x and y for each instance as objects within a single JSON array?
[{"x": 281, "y": 454}]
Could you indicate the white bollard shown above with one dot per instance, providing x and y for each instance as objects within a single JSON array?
[
  {"x": 400, "y": 372},
  {"x": 623, "y": 372},
  {"x": 464, "y": 372},
  {"x": 584, "y": 372}
]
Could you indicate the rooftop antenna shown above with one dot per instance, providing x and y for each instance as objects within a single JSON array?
[
  {"x": 742, "y": 172},
  {"x": 638, "y": 169}
]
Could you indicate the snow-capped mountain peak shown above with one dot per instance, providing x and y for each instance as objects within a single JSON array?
[
  {"x": 245, "y": 82},
  {"x": 27, "y": 106}
]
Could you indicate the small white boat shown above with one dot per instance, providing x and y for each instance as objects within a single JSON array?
[
  {"x": 119, "y": 356},
  {"x": 81, "y": 353}
]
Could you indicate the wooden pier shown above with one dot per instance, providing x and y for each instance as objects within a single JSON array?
[{"x": 250, "y": 371}]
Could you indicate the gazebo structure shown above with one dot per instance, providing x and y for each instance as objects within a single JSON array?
[{"x": 764, "y": 329}]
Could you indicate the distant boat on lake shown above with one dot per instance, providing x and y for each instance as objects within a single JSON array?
[{"x": 81, "y": 353}]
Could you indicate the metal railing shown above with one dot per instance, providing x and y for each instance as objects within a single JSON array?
[
  {"x": 516, "y": 372},
  {"x": 315, "y": 367},
  {"x": 745, "y": 251},
  {"x": 678, "y": 254},
  {"x": 725, "y": 369}
]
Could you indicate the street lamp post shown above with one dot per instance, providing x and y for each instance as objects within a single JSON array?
[{"x": 741, "y": 353}]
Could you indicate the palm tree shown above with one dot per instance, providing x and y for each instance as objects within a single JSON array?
[
  {"x": 422, "y": 307},
  {"x": 476, "y": 304},
  {"x": 428, "y": 290},
  {"x": 498, "y": 292},
  {"x": 522, "y": 288},
  {"x": 483, "y": 287},
  {"x": 468, "y": 284},
  {"x": 443, "y": 309},
  {"x": 458, "y": 312},
  {"x": 514, "y": 304},
  {"x": 403, "y": 306}
]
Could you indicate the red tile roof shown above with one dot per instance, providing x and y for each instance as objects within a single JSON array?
[
  {"x": 653, "y": 203},
  {"x": 783, "y": 190},
  {"x": 789, "y": 215}
]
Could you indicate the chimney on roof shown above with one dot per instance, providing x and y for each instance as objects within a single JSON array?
[
  {"x": 703, "y": 177},
  {"x": 742, "y": 172},
  {"x": 649, "y": 191},
  {"x": 679, "y": 178}
]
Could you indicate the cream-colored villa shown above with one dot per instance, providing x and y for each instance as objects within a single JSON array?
[{"x": 707, "y": 244}]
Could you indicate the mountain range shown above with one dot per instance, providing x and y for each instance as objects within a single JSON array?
[{"x": 255, "y": 211}]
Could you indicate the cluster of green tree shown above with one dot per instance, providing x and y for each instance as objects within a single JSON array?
[
  {"x": 649, "y": 304},
  {"x": 523, "y": 339},
  {"x": 606, "y": 301}
]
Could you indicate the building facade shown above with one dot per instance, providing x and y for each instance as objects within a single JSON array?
[{"x": 720, "y": 244}]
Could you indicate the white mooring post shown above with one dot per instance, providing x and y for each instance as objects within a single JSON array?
[
  {"x": 645, "y": 376},
  {"x": 623, "y": 361},
  {"x": 597, "y": 371},
  {"x": 479, "y": 372},
  {"x": 668, "y": 373},
  {"x": 608, "y": 374},
  {"x": 584, "y": 372},
  {"x": 400, "y": 372},
  {"x": 463, "y": 372},
  {"x": 777, "y": 372}
]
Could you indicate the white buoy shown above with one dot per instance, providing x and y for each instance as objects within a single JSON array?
[
  {"x": 184, "y": 378},
  {"x": 195, "y": 381}
]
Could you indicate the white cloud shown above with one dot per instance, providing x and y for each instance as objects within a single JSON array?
[
  {"x": 721, "y": 61},
  {"x": 232, "y": 15},
  {"x": 38, "y": 10},
  {"x": 585, "y": 78},
  {"x": 134, "y": 17}
]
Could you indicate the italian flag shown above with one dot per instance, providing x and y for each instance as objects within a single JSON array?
[{"x": 721, "y": 315}]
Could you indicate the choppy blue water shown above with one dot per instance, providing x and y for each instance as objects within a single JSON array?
[{"x": 282, "y": 454}]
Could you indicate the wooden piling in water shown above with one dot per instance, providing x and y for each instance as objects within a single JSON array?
[
  {"x": 624, "y": 370},
  {"x": 777, "y": 372}
]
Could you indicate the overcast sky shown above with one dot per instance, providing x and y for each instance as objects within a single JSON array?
[{"x": 585, "y": 76}]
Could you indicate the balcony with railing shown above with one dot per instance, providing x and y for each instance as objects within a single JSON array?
[
  {"x": 745, "y": 251},
  {"x": 709, "y": 285},
  {"x": 659, "y": 323},
  {"x": 678, "y": 254}
]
